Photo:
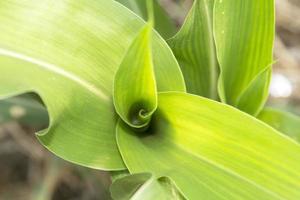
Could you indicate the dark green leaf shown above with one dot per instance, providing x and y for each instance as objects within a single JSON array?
[
  {"x": 194, "y": 49},
  {"x": 163, "y": 23}
]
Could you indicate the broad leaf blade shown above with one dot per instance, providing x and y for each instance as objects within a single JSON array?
[
  {"x": 68, "y": 53},
  {"x": 194, "y": 49},
  {"x": 244, "y": 34},
  {"x": 135, "y": 94},
  {"x": 163, "y": 23},
  {"x": 221, "y": 151},
  {"x": 283, "y": 121}
]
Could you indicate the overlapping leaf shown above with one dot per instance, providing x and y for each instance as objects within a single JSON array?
[
  {"x": 194, "y": 49},
  {"x": 68, "y": 52},
  {"x": 283, "y": 121},
  {"x": 213, "y": 151},
  {"x": 163, "y": 23},
  {"x": 23, "y": 109},
  {"x": 244, "y": 34},
  {"x": 135, "y": 93},
  {"x": 144, "y": 186}
]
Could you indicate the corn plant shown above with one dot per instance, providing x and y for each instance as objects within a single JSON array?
[{"x": 173, "y": 117}]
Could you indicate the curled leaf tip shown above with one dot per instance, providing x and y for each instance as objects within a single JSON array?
[
  {"x": 135, "y": 95},
  {"x": 140, "y": 113}
]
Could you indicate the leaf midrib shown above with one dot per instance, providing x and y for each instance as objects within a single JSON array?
[{"x": 57, "y": 70}]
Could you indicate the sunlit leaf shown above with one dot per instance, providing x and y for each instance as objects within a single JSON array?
[
  {"x": 135, "y": 94},
  {"x": 283, "y": 121},
  {"x": 163, "y": 24},
  {"x": 144, "y": 187},
  {"x": 244, "y": 34},
  {"x": 194, "y": 49},
  {"x": 68, "y": 53},
  {"x": 213, "y": 151}
]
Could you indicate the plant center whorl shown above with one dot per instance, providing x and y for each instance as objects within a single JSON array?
[{"x": 140, "y": 115}]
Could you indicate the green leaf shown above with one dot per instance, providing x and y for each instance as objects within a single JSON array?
[
  {"x": 118, "y": 174},
  {"x": 213, "y": 151},
  {"x": 170, "y": 190},
  {"x": 68, "y": 53},
  {"x": 137, "y": 186},
  {"x": 23, "y": 109},
  {"x": 250, "y": 94},
  {"x": 144, "y": 186},
  {"x": 163, "y": 23},
  {"x": 194, "y": 49},
  {"x": 244, "y": 35},
  {"x": 283, "y": 121},
  {"x": 135, "y": 95}
]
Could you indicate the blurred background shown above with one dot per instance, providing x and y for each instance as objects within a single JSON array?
[{"x": 29, "y": 172}]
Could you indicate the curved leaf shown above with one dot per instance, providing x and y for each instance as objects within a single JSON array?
[
  {"x": 250, "y": 100},
  {"x": 144, "y": 187},
  {"x": 163, "y": 23},
  {"x": 221, "y": 151},
  {"x": 244, "y": 35},
  {"x": 194, "y": 49},
  {"x": 283, "y": 121},
  {"x": 118, "y": 174},
  {"x": 135, "y": 95},
  {"x": 68, "y": 52}
]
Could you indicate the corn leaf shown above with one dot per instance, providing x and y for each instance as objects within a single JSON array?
[
  {"x": 135, "y": 94},
  {"x": 283, "y": 121},
  {"x": 163, "y": 23},
  {"x": 23, "y": 109},
  {"x": 213, "y": 151},
  {"x": 114, "y": 175},
  {"x": 144, "y": 186},
  {"x": 194, "y": 49},
  {"x": 68, "y": 53},
  {"x": 244, "y": 34}
]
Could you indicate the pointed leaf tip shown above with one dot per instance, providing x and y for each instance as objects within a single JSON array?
[
  {"x": 194, "y": 48},
  {"x": 244, "y": 35}
]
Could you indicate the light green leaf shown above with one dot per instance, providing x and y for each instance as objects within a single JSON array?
[
  {"x": 244, "y": 35},
  {"x": 163, "y": 23},
  {"x": 283, "y": 121},
  {"x": 144, "y": 186},
  {"x": 213, "y": 151},
  {"x": 68, "y": 53},
  {"x": 194, "y": 49},
  {"x": 135, "y": 95}
]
